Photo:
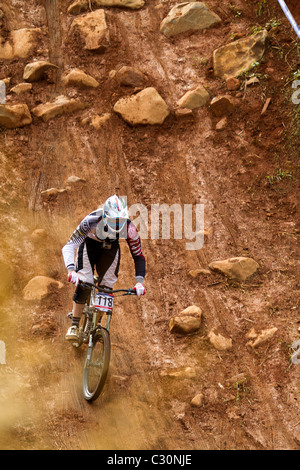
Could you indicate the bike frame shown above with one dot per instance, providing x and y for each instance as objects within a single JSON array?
[{"x": 97, "y": 314}]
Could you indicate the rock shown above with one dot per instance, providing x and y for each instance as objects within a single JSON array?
[
  {"x": 20, "y": 43},
  {"x": 38, "y": 287},
  {"x": 222, "y": 105},
  {"x": 13, "y": 116},
  {"x": 60, "y": 105},
  {"x": 21, "y": 88},
  {"x": 196, "y": 272},
  {"x": 97, "y": 121},
  {"x": 194, "y": 98},
  {"x": 52, "y": 192},
  {"x": 130, "y": 76},
  {"x": 75, "y": 179},
  {"x": 266, "y": 105},
  {"x": 197, "y": 401},
  {"x": 181, "y": 373},
  {"x": 6, "y": 81},
  {"x": 252, "y": 81},
  {"x": 146, "y": 107},
  {"x": 261, "y": 338},
  {"x": 78, "y": 7},
  {"x": 36, "y": 71},
  {"x": 233, "y": 84},
  {"x": 220, "y": 342},
  {"x": 93, "y": 30},
  {"x": 185, "y": 17},
  {"x": 238, "y": 269},
  {"x": 79, "y": 78},
  {"x": 239, "y": 56},
  {"x": 183, "y": 112},
  {"x": 222, "y": 124},
  {"x": 81, "y": 6},
  {"x": 186, "y": 322}
]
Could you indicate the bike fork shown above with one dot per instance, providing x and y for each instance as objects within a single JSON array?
[{"x": 90, "y": 348}]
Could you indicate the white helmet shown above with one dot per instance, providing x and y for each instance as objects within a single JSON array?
[{"x": 115, "y": 213}]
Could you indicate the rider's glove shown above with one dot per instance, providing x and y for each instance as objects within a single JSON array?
[
  {"x": 73, "y": 277},
  {"x": 140, "y": 289}
]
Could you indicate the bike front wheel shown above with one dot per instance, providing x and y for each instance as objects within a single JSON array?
[{"x": 96, "y": 365}]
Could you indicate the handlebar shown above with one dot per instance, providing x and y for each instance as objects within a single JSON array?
[{"x": 90, "y": 285}]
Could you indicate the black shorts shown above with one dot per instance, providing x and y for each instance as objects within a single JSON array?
[{"x": 92, "y": 254}]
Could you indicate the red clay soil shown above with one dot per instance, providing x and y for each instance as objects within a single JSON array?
[
  {"x": 294, "y": 7},
  {"x": 247, "y": 176}
]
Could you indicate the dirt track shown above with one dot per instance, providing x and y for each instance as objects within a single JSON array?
[{"x": 183, "y": 161}]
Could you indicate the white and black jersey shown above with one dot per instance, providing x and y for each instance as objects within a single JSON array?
[{"x": 103, "y": 253}]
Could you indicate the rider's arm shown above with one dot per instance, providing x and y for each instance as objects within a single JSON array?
[
  {"x": 76, "y": 239},
  {"x": 135, "y": 246}
]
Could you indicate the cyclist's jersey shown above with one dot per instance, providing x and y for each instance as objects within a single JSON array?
[{"x": 87, "y": 228}]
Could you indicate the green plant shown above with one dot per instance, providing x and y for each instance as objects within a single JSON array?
[
  {"x": 279, "y": 175},
  {"x": 237, "y": 13},
  {"x": 273, "y": 23},
  {"x": 261, "y": 6},
  {"x": 241, "y": 388},
  {"x": 197, "y": 62},
  {"x": 249, "y": 73}
]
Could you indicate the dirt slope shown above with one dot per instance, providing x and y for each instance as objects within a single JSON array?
[{"x": 183, "y": 161}]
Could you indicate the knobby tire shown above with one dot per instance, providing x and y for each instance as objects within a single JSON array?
[{"x": 95, "y": 373}]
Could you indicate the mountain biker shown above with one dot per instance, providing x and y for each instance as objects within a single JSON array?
[{"x": 96, "y": 240}]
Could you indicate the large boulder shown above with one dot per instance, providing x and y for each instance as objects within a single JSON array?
[
  {"x": 80, "y": 6},
  {"x": 219, "y": 341},
  {"x": 60, "y": 105},
  {"x": 189, "y": 16},
  {"x": 20, "y": 43},
  {"x": 38, "y": 287},
  {"x": 186, "y": 322},
  {"x": 146, "y": 107},
  {"x": 36, "y": 71},
  {"x": 80, "y": 79},
  {"x": 129, "y": 76},
  {"x": 93, "y": 29},
  {"x": 194, "y": 98},
  {"x": 239, "y": 56},
  {"x": 259, "y": 338},
  {"x": 222, "y": 105},
  {"x": 238, "y": 269},
  {"x": 12, "y": 116},
  {"x": 97, "y": 121},
  {"x": 21, "y": 88}
]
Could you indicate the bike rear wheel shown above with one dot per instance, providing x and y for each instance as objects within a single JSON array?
[{"x": 96, "y": 365}]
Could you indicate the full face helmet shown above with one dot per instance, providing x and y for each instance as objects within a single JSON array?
[{"x": 115, "y": 213}]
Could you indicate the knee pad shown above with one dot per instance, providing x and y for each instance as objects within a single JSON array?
[{"x": 81, "y": 294}]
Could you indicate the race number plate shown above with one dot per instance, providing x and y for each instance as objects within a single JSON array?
[{"x": 104, "y": 302}]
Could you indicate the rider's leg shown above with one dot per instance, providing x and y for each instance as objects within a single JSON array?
[
  {"x": 85, "y": 270},
  {"x": 108, "y": 265}
]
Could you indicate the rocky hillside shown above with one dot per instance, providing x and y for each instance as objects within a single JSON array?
[{"x": 165, "y": 103}]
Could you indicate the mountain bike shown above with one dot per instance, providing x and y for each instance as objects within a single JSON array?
[{"x": 97, "y": 310}]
